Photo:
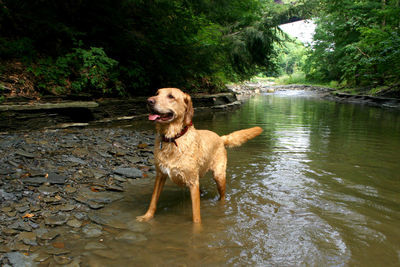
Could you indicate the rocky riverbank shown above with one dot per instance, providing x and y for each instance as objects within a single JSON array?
[{"x": 52, "y": 183}]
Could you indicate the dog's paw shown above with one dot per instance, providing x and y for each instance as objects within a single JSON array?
[{"x": 143, "y": 218}]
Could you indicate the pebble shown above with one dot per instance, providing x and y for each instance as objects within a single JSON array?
[
  {"x": 62, "y": 259},
  {"x": 95, "y": 245},
  {"x": 119, "y": 178},
  {"x": 129, "y": 172},
  {"x": 35, "y": 181},
  {"x": 24, "y": 154},
  {"x": 22, "y": 209},
  {"x": 75, "y": 160},
  {"x": 57, "y": 251},
  {"x": 54, "y": 178},
  {"x": 41, "y": 256},
  {"x": 56, "y": 219},
  {"x": 92, "y": 230},
  {"x": 6, "y": 196},
  {"x": 6, "y": 209},
  {"x": 70, "y": 189},
  {"x": 8, "y": 231},
  {"x": 74, "y": 223},
  {"x": 28, "y": 238},
  {"x": 80, "y": 215},
  {"x": 130, "y": 237},
  {"x": 48, "y": 190},
  {"x": 19, "y": 259},
  {"x": 46, "y": 234},
  {"x": 21, "y": 226},
  {"x": 66, "y": 207},
  {"x": 109, "y": 254}
]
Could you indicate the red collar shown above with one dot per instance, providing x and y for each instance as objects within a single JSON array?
[{"x": 172, "y": 140}]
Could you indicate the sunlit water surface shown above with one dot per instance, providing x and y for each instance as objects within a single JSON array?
[{"x": 319, "y": 187}]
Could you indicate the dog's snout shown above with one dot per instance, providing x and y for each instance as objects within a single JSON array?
[{"x": 151, "y": 101}]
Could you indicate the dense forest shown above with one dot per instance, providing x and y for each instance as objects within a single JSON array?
[{"x": 131, "y": 47}]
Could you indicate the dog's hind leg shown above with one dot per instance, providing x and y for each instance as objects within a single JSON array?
[
  {"x": 219, "y": 171},
  {"x": 220, "y": 180}
]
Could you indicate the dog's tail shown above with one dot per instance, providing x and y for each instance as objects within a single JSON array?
[{"x": 239, "y": 137}]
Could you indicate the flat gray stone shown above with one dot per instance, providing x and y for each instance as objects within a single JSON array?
[
  {"x": 21, "y": 225},
  {"x": 130, "y": 237},
  {"x": 95, "y": 245},
  {"x": 75, "y": 160},
  {"x": 24, "y": 153},
  {"x": 6, "y": 196},
  {"x": 62, "y": 259},
  {"x": 74, "y": 223},
  {"x": 45, "y": 234},
  {"x": 54, "y": 178},
  {"x": 56, "y": 219},
  {"x": 92, "y": 230},
  {"x": 19, "y": 259},
  {"x": 28, "y": 238},
  {"x": 35, "y": 181},
  {"x": 48, "y": 190},
  {"x": 129, "y": 172},
  {"x": 87, "y": 196}
]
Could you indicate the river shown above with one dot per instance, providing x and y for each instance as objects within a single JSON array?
[{"x": 319, "y": 187}]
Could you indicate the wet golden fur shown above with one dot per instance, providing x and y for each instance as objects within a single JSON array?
[{"x": 195, "y": 152}]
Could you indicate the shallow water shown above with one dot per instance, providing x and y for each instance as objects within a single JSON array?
[{"x": 319, "y": 187}]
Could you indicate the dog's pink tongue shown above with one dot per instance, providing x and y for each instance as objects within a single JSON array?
[{"x": 153, "y": 117}]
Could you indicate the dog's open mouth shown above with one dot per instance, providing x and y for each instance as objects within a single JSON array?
[{"x": 161, "y": 117}]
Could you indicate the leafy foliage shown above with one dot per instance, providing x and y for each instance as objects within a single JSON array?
[
  {"x": 81, "y": 70},
  {"x": 356, "y": 43},
  {"x": 137, "y": 46},
  {"x": 291, "y": 57}
]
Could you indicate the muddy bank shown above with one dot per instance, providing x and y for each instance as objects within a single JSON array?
[
  {"x": 20, "y": 114},
  {"x": 53, "y": 183}
]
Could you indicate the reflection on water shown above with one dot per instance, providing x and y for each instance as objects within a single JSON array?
[{"x": 319, "y": 187}]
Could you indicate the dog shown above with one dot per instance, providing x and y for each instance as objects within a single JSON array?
[{"x": 185, "y": 154}]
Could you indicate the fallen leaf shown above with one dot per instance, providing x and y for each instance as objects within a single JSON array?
[
  {"x": 25, "y": 175},
  {"x": 28, "y": 215},
  {"x": 143, "y": 145},
  {"x": 94, "y": 189},
  {"x": 58, "y": 245}
]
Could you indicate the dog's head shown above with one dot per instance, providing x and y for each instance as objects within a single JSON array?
[{"x": 170, "y": 105}]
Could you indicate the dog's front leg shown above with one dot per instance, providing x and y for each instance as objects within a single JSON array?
[
  {"x": 195, "y": 196},
  {"x": 158, "y": 186}
]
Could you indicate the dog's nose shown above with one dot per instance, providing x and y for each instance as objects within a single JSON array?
[{"x": 151, "y": 101}]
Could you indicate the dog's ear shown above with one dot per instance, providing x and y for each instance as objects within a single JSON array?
[{"x": 189, "y": 110}]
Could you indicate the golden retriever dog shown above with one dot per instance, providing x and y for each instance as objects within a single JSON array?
[{"x": 183, "y": 153}]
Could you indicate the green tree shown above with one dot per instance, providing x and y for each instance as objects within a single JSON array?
[{"x": 356, "y": 43}]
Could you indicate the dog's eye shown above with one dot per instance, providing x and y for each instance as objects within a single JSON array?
[{"x": 171, "y": 96}]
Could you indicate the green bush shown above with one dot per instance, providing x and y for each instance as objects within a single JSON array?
[
  {"x": 81, "y": 71},
  {"x": 294, "y": 78}
]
